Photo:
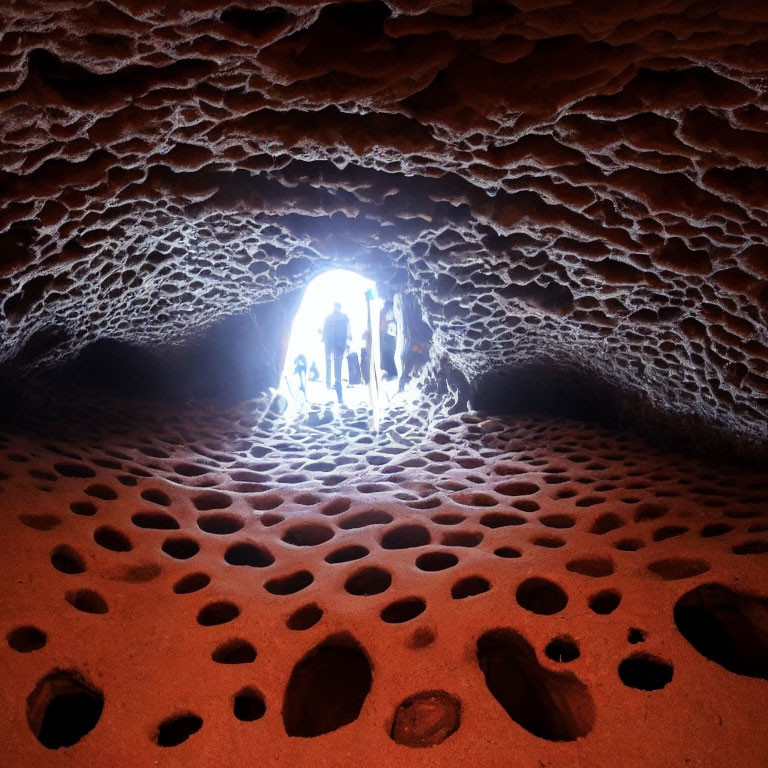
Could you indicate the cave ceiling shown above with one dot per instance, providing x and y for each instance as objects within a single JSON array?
[{"x": 578, "y": 183}]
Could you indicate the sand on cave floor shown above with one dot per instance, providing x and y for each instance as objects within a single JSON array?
[{"x": 452, "y": 591}]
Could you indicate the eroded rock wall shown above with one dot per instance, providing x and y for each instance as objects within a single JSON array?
[{"x": 575, "y": 184}]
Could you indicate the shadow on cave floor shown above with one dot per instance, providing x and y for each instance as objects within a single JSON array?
[{"x": 582, "y": 396}]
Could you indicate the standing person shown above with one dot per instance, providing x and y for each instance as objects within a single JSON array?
[
  {"x": 300, "y": 369},
  {"x": 335, "y": 336},
  {"x": 365, "y": 357}
]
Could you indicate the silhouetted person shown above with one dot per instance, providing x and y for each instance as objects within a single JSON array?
[
  {"x": 335, "y": 335},
  {"x": 314, "y": 374},
  {"x": 300, "y": 369}
]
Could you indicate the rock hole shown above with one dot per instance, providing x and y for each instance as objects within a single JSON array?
[
  {"x": 635, "y": 636},
  {"x": 421, "y": 638},
  {"x": 629, "y": 545},
  {"x": 590, "y": 501},
  {"x": 406, "y": 537},
  {"x": 516, "y": 489},
  {"x": 177, "y": 729},
  {"x": 180, "y": 548},
  {"x": 248, "y": 705},
  {"x": 469, "y": 586},
  {"x": 308, "y": 535},
  {"x": 40, "y": 522},
  {"x": 449, "y": 518},
  {"x": 755, "y": 547},
  {"x": 205, "y": 502},
  {"x": 668, "y": 532},
  {"x": 307, "y": 499},
  {"x": 87, "y": 601},
  {"x": 289, "y": 585},
  {"x": 558, "y": 521},
  {"x": 461, "y": 538},
  {"x": 245, "y": 553},
  {"x": 160, "y": 521},
  {"x": 475, "y": 499},
  {"x": 366, "y": 518},
  {"x": 596, "y": 567},
  {"x": 727, "y": 627},
  {"x": 604, "y": 602},
  {"x": 190, "y": 470},
  {"x": 219, "y": 524},
  {"x": 526, "y": 505},
  {"x": 267, "y": 502},
  {"x": 436, "y": 561},
  {"x": 550, "y": 542},
  {"x": 403, "y": 610},
  {"x": 192, "y": 582},
  {"x": 84, "y": 508},
  {"x": 562, "y": 649},
  {"x": 112, "y": 539},
  {"x": 67, "y": 560},
  {"x": 501, "y": 519},
  {"x": 650, "y": 512},
  {"x": 606, "y": 523},
  {"x": 103, "y": 492},
  {"x": 326, "y": 690},
  {"x": 336, "y": 507},
  {"x": 541, "y": 596},
  {"x": 715, "y": 529},
  {"x": 156, "y": 496},
  {"x": 645, "y": 672},
  {"x": 305, "y": 617},
  {"x": 551, "y": 705},
  {"x": 220, "y": 612},
  {"x": 673, "y": 568},
  {"x": 235, "y": 651},
  {"x": 26, "y": 639},
  {"x": 346, "y": 554},
  {"x": 426, "y": 719},
  {"x": 430, "y": 503},
  {"x": 368, "y": 581},
  {"x": 507, "y": 552},
  {"x": 63, "y": 708},
  {"x": 71, "y": 469}
]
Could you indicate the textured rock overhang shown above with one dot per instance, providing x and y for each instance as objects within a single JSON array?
[{"x": 581, "y": 185}]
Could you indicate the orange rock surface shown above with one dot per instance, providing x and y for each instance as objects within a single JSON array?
[{"x": 205, "y": 593}]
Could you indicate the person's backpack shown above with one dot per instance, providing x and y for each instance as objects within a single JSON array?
[{"x": 353, "y": 364}]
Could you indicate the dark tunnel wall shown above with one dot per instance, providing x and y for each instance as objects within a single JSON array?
[
  {"x": 569, "y": 183},
  {"x": 236, "y": 359}
]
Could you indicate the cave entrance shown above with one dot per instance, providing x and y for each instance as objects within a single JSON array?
[{"x": 312, "y": 366}]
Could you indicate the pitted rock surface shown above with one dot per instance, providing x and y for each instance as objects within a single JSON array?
[
  {"x": 579, "y": 184},
  {"x": 213, "y": 589}
]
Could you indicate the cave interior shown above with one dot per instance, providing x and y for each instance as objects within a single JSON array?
[{"x": 551, "y": 542}]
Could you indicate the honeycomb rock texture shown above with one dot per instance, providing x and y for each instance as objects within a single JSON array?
[
  {"x": 199, "y": 590},
  {"x": 576, "y": 184}
]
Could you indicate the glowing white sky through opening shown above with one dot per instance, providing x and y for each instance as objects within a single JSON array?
[{"x": 340, "y": 285}]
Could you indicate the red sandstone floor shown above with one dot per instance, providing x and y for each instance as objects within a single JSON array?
[{"x": 524, "y": 574}]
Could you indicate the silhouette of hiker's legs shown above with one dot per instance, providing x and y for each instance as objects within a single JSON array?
[
  {"x": 338, "y": 358},
  {"x": 328, "y": 355}
]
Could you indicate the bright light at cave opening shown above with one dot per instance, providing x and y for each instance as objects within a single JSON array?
[{"x": 348, "y": 289}]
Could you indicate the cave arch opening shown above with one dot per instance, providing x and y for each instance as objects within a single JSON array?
[{"x": 336, "y": 334}]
